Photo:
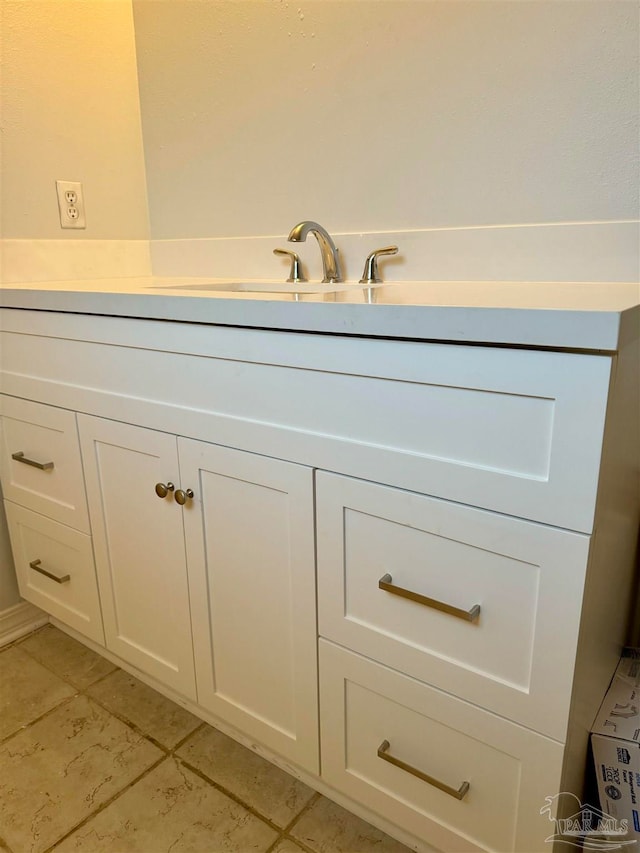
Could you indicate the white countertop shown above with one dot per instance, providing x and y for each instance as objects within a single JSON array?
[{"x": 575, "y": 315}]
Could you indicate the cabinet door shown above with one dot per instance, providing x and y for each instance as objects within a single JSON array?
[
  {"x": 139, "y": 548},
  {"x": 249, "y": 533}
]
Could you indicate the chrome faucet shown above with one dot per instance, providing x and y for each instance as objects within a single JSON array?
[{"x": 328, "y": 251}]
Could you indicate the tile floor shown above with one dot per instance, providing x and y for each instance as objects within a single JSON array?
[{"x": 93, "y": 760}]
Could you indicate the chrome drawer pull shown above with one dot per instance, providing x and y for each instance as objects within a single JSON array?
[
  {"x": 385, "y": 583},
  {"x": 20, "y": 457},
  {"x": 36, "y": 566},
  {"x": 457, "y": 793}
]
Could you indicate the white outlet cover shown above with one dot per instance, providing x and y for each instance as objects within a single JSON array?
[{"x": 71, "y": 204}]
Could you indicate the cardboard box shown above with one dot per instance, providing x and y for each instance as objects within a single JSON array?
[{"x": 615, "y": 739}]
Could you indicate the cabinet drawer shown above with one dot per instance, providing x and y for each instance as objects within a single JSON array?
[
  {"x": 55, "y": 570},
  {"x": 515, "y": 431},
  {"x": 401, "y": 576},
  {"x": 40, "y": 461},
  {"x": 370, "y": 713}
]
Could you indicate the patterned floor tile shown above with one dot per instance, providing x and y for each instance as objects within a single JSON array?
[
  {"x": 287, "y": 846},
  {"x": 171, "y": 810},
  {"x": 153, "y": 714},
  {"x": 258, "y": 783},
  {"x": 60, "y": 769},
  {"x": 27, "y": 690},
  {"x": 66, "y": 657},
  {"x": 327, "y": 828}
]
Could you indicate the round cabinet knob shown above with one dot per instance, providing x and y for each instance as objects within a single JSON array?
[
  {"x": 162, "y": 489},
  {"x": 182, "y": 497}
]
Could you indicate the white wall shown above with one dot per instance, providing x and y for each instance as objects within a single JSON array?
[
  {"x": 474, "y": 134},
  {"x": 388, "y": 115},
  {"x": 70, "y": 110}
]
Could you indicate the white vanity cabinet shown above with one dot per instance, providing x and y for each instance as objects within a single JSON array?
[{"x": 473, "y": 513}]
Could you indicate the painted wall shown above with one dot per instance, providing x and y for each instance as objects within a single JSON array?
[
  {"x": 436, "y": 124},
  {"x": 70, "y": 111},
  {"x": 389, "y": 115}
]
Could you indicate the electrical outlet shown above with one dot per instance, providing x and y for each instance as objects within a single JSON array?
[{"x": 71, "y": 204}]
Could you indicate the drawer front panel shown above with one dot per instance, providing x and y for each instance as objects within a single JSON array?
[
  {"x": 40, "y": 459},
  {"x": 481, "y": 605},
  {"x": 374, "y": 719},
  {"x": 515, "y": 431},
  {"x": 55, "y": 570}
]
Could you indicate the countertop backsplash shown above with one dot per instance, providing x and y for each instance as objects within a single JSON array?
[{"x": 574, "y": 251}]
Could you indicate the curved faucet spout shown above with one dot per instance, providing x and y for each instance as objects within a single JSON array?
[{"x": 328, "y": 251}]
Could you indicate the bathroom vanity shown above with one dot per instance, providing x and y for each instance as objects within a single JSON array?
[{"x": 390, "y": 546}]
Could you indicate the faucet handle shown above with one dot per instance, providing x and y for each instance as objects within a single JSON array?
[
  {"x": 296, "y": 273},
  {"x": 370, "y": 273}
]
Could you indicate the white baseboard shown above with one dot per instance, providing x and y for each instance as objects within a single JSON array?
[{"x": 19, "y": 620}]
